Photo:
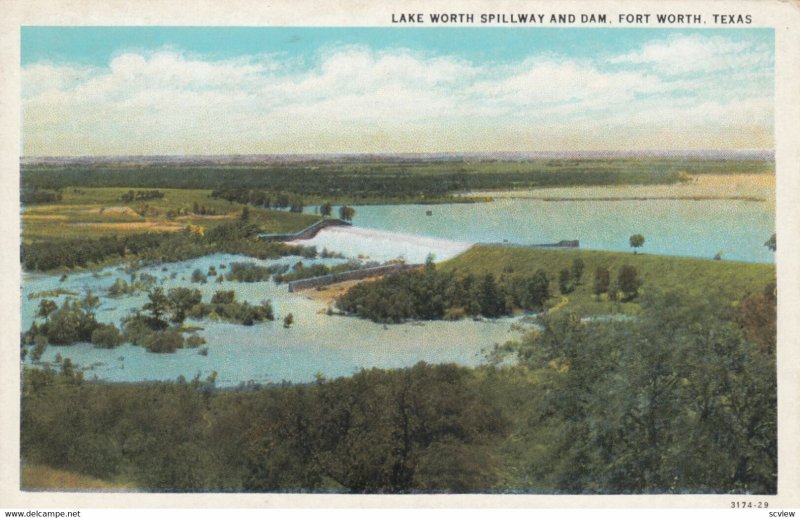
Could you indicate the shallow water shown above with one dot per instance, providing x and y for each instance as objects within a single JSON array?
[{"x": 317, "y": 343}]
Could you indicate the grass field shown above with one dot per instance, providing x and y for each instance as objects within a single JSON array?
[
  {"x": 95, "y": 212},
  {"x": 697, "y": 277}
]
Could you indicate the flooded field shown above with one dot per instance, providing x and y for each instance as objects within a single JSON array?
[{"x": 317, "y": 343}]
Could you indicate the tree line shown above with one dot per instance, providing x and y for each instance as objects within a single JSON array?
[
  {"x": 377, "y": 181},
  {"x": 424, "y": 429},
  {"x": 37, "y": 195},
  {"x": 431, "y": 294},
  {"x": 237, "y": 237}
]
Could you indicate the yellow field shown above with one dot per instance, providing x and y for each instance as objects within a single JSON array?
[
  {"x": 760, "y": 186},
  {"x": 97, "y": 212}
]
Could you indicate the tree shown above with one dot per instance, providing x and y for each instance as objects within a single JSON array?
[
  {"x": 538, "y": 290},
  {"x": 46, "y": 307},
  {"x": 181, "y": 300},
  {"x": 577, "y": 270},
  {"x": 288, "y": 320},
  {"x": 90, "y": 302},
  {"x": 346, "y": 213},
  {"x": 489, "y": 298},
  {"x": 326, "y": 208},
  {"x": 757, "y": 315},
  {"x": 564, "y": 281},
  {"x": 245, "y": 216},
  {"x": 636, "y": 241},
  {"x": 602, "y": 280},
  {"x": 772, "y": 243},
  {"x": 158, "y": 305},
  {"x": 628, "y": 281}
]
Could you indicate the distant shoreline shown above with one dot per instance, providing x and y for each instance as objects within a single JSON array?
[{"x": 639, "y": 198}]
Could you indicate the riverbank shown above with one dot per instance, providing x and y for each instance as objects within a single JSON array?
[{"x": 327, "y": 294}]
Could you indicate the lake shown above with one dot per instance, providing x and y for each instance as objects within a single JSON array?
[{"x": 737, "y": 229}]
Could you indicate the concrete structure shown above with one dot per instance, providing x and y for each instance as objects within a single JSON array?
[
  {"x": 364, "y": 273},
  {"x": 306, "y": 233}
]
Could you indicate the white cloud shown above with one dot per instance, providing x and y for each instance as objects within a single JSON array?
[
  {"x": 357, "y": 99},
  {"x": 697, "y": 53}
]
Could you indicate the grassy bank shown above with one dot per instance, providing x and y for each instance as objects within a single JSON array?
[{"x": 727, "y": 279}]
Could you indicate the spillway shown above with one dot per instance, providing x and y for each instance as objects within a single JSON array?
[{"x": 383, "y": 246}]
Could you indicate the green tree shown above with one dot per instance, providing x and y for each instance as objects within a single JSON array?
[
  {"x": 628, "y": 281},
  {"x": 577, "y": 270},
  {"x": 181, "y": 301},
  {"x": 46, "y": 308},
  {"x": 636, "y": 241},
  {"x": 90, "y": 302},
  {"x": 245, "y": 215},
  {"x": 565, "y": 281},
  {"x": 491, "y": 301},
  {"x": 158, "y": 305},
  {"x": 346, "y": 213},
  {"x": 757, "y": 314},
  {"x": 538, "y": 290},
  {"x": 602, "y": 281},
  {"x": 326, "y": 208}
]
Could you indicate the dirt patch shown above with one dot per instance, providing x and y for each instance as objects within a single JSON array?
[{"x": 327, "y": 294}]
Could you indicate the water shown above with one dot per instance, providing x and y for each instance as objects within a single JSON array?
[
  {"x": 316, "y": 344},
  {"x": 339, "y": 346},
  {"x": 384, "y": 246},
  {"x": 738, "y": 229}
]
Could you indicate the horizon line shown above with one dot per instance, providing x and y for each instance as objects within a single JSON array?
[{"x": 677, "y": 153}]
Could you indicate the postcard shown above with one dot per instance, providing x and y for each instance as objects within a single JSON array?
[{"x": 406, "y": 254}]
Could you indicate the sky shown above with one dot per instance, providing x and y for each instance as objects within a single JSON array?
[{"x": 195, "y": 90}]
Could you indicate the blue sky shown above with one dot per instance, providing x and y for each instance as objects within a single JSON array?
[{"x": 169, "y": 90}]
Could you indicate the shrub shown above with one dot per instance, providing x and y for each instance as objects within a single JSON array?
[
  {"x": 106, "y": 336},
  {"x": 167, "y": 341},
  {"x": 223, "y": 297},
  {"x": 194, "y": 341}
]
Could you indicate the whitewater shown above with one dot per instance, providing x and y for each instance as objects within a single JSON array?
[{"x": 377, "y": 245}]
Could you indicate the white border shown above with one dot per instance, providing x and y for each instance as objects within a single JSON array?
[{"x": 784, "y": 17}]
